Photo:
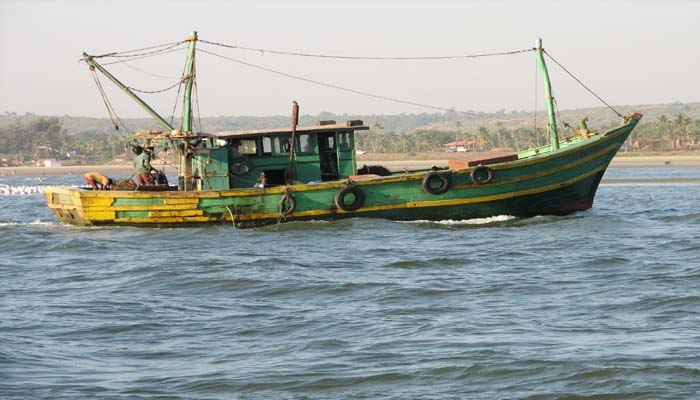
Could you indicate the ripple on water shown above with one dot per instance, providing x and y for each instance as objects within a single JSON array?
[{"x": 598, "y": 304}]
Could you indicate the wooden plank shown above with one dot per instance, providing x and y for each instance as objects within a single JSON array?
[
  {"x": 181, "y": 201},
  {"x": 180, "y": 213},
  {"x": 486, "y": 159}
]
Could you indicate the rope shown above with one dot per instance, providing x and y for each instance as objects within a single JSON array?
[
  {"x": 177, "y": 97},
  {"x": 339, "y": 87},
  {"x": 114, "y": 118},
  {"x": 582, "y": 84},
  {"x": 196, "y": 99},
  {"x": 104, "y": 98},
  {"x": 153, "y": 91},
  {"x": 537, "y": 140},
  {"x": 289, "y": 53},
  {"x": 151, "y": 74},
  {"x": 122, "y": 53},
  {"x": 146, "y": 56}
]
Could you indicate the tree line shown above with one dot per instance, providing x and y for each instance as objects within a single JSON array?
[
  {"x": 679, "y": 132},
  {"x": 20, "y": 140}
]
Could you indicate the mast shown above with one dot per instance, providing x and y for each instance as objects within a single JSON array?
[
  {"x": 189, "y": 77},
  {"x": 553, "y": 134},
  {"x": 93, "y": 64}
]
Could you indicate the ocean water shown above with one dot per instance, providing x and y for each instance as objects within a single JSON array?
[{"x": 601, "y": 304}]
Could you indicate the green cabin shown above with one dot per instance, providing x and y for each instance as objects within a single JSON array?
[{"x": 249, "y": 158}]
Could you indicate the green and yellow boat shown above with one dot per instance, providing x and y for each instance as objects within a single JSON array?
[{"x": 300, "y": 173}]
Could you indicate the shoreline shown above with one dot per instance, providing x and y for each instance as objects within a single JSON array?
[{"x": 125, "y": 170}]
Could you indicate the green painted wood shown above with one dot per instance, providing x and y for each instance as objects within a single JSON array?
[
  {"x": 554, "y": 136},
  {"x": 190, "y": 73},
  {"x": 90, "y": 61}
]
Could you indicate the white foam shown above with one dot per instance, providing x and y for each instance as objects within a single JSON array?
[
  {"x": 21, "y": 190},
  {"x": 473, "y": 221},
  {"x": 33, "y": 223}
]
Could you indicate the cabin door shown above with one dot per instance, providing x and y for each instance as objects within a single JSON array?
[{"x": 328, "y": 156}]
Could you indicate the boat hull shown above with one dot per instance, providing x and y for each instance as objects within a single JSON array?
[{"x": 552, "y": 182}]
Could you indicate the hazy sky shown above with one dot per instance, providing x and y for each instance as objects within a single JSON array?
[{"x": 629, "y": 52}]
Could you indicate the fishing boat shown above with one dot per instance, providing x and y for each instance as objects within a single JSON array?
[{"x": 299, "y": 173}]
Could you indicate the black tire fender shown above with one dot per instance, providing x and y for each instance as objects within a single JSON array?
[
  {"x": 444, "y": 183},
  {"x": 481, "y": 175},
  {"x": 240, "y": 168},
  {"x": 355, "y": 191}
]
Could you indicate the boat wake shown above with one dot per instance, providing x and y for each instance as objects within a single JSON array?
[{"x": 473, "y": 221}]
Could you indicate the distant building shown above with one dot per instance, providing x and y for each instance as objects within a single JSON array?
[
  {"x": 459, "y": 146},
  {"x": 652, "y": 144}
]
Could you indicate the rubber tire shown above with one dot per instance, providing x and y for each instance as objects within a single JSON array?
[
  {"x": 444, "y": 187},
  {"x": 340, "y": 198},
  {"x": 240, "y": 168},
  {"x": 477, "y": 171},
  {"x": 285, "y": 212}
]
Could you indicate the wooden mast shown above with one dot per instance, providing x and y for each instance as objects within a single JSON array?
[
  {"x": 189, "y": 82},
  {"x": 93, "y": 64},
  {"x": 553, "y": 133}
]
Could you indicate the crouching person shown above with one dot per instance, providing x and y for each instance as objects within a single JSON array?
[{"x": 98, "y": 181}]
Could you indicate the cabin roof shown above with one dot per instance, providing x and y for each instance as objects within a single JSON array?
[{"x": 344, "y": 127}]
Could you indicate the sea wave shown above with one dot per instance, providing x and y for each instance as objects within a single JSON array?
[{"x": 473, "y": 221}]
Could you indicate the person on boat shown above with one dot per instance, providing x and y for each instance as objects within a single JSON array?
[
  {"x": 98, "y": 181},
  {"x": 142, "y": 165}
]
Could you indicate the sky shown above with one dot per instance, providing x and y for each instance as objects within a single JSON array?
[{"x": 628, "y": 52}]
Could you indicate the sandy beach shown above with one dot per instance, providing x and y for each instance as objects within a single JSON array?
[{"x": 126, "y": 170}]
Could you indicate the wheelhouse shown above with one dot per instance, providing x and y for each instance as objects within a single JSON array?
[{"x": 250, "y": 158}]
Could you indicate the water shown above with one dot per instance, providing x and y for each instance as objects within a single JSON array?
[{"x": 598, "y": 304}]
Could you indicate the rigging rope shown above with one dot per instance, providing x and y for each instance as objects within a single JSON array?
[
  {"x": 110, "y": 110},
  {"x": 196, "y": 98},
  {"x": 151, "y": 74},
  {"x": 582, "y": 84},
  {"x": 537, "y": 140},
  {"x": 145, "y": 56},
  {"x": 153, "y": 91},
  {"x": 177, "y": 96},
  {"x": 289, "y": 53},
  {"x": 123, "y": 53},
  {"x": 338, "y": 87}
]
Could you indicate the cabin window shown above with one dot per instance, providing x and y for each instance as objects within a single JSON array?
[
  {"x": 278, "y": 144},
  {"x": 305, "y": 144},
  {"x": 345, "y": 139},
  {"x": 246, "y": 147},
  {"x": 267, "y": 146}
]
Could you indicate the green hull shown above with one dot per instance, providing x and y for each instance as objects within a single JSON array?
[{"x": 540, "y": 182}]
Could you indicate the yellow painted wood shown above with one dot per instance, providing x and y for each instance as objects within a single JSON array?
[
  {"x": 100, "y": 215},
  {"x": 97, "y": 201},
  {"x": 182, "y": 213},
  {"x": 181, "y": 201},
  {"x": 164, "y": 220},
  {"x": 171, "y": 207}
]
